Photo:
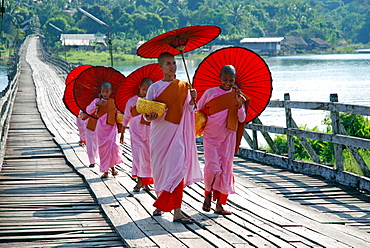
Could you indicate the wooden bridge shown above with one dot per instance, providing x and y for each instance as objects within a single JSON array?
[{"x": 49, "y": 196}]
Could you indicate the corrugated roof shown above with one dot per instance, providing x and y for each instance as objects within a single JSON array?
[
  {"x": 81, "y": 39},
  {"x": 262, "y": 40}
]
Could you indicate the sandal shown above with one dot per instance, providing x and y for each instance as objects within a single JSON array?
[
  {"x": 137, "y": 189},
  {"x": 92, "y": 165},
  {"x": 157, "y": 212},
  {"x": 114, "y": 172},
  {"x": 206, "y": 207},
  {"x": 105, "y": 175},
  {"x": 223, "y": 212},
  {"x": 184, "y": 220}
]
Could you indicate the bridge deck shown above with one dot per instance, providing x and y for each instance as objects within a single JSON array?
[
  {"x": 272, "y": 208},
  {"x": 43, "y": 201}
]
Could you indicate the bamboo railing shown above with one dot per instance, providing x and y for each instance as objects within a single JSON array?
[{"x": 339, "y": 138}]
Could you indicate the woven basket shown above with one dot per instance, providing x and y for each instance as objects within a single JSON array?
[{"x": 144, "y": 106}]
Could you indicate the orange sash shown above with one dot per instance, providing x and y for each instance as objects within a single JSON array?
[
  {"x": 110, "y": 109},
  {"x": 135, "y": 113},
  {"x": 228, "y": 101},
  {"x": 174, "y": 97}
]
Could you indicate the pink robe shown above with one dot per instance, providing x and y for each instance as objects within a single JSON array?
[
  {"x": 139, "y": 137},
  {"x": 91, "y": 145},
  {"x": 109, "y": 149},
  {"x": 219, "y": 146},
  {"x": 81, "y": 126},
  {"x": 172, "y": 146}
]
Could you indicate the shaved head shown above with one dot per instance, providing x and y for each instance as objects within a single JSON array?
[
  {"x": 146, "y": 81},
  {"x": 106, "y": 85},
  {"x": 229, "y": 70},
  {"x": 162, "y": 56}
]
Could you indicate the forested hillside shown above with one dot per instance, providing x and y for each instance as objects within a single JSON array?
[{"x": 338, "y": 22}]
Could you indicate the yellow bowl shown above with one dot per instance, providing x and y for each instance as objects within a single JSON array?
[
  {"x": 144, "y": 106},
  {"x": 119, "y": 118},
  {"x": 200, "y": 123}
]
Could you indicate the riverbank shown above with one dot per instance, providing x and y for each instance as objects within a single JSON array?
[{"x": 103, "y": 57}]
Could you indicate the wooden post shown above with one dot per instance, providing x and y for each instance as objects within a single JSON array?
[
  {"x": 267, "y": 137},
  {"x": 288, "y": 119},
  {"x": 335, "y": 121},
  {"x": 248, "y": 139},
  {"x": 255, "y": 140}
]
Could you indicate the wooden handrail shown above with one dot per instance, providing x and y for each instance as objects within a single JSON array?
[{"x": 339, "y": 137}]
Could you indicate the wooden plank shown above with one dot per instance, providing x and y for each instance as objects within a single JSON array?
[
  {"x": 143, "y": 202},
  {"x": 29, "y": 182}
]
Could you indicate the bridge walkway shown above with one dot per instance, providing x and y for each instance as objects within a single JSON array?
[
  {"x": 273, "y": 207},
  {"x": 43, "y": 200}
]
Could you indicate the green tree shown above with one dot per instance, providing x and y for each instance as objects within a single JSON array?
[{"x": 364, "y": 32}]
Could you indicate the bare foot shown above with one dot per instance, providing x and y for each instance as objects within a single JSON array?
[
  {"x": 105, "y": 175},
  {"x": 220, "y": 210},
  {"x": 207, "y": 203},
  {"x": 157, "y": 212},
  {"x": 146, "y": 187},
  {"x": 138, "y": 185}
]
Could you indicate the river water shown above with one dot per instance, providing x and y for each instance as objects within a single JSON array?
[
  {"x": 306, "y": 78},
  {"x": 3, "y": 77}
]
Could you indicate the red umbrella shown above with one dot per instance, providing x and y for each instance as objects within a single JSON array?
[
  {"x": 253, "y": 76},
  {"x": 75, "y": 72},
  {"x": 179, "y": 41},
  {"x": 87, "y": 85},
  {"x": 69, "y": 99},
  {"x": 129, "y": 87}
]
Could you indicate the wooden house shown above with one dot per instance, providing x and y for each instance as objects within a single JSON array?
[
  {"x": 263, "y": 45},
  {"x": 294, "y": 42},
  {"x": 317, "y": 43}
]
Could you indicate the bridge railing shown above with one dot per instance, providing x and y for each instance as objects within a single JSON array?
[
  {"x": 339, "y": 137},
  {"x": 59, "y": 64},
  {"x": 7, "y": 97}
]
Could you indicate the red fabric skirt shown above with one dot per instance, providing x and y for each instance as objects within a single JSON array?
[
  {"x": 145, "y": 180},
  {"x": 217, "y": 195},
  {"x": 167, "y": 201}
]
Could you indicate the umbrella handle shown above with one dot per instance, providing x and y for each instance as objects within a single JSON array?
[
  {"x": 186, "y": 68},
  {"x": 187, "y": 74}
]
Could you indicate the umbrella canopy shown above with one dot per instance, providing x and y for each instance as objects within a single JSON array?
[
  {"x": 75, "y": 72},
  {"x": 69, "y": 99},
  {"x": 87, "y": 85},
  {"x": 253, "y": 76},
  {"x": 130, "y": 85},
  {"x": 179, "y": 40}
]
